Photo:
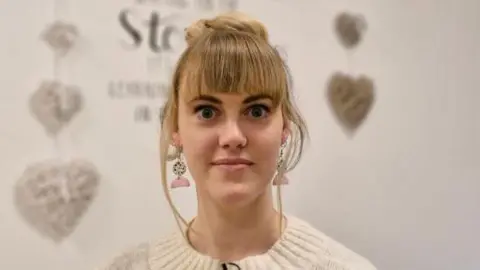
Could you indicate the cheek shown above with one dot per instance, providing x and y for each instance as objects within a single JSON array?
[
  {"x": 198, "y": 145},
  {"x": 264, "y": 147}
]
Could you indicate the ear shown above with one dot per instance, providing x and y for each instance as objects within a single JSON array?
[{"x": 176, "y": 139}]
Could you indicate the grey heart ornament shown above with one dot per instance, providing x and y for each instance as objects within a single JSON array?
[
  {"x": 351, "y": 99},
  {"x": 350, "y": 29},
  {"x": 53, "y": 196},
  {"x": 60, "y": 36},
  {"x": 54, "y": 105}
]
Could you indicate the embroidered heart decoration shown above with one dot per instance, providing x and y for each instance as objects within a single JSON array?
[
  {"x": 351, "y": 99},
  {"x": 54, "y": 105},
  {"x": 60, "y": 36},
  {"x": 52, "y": 197},
  {"x": 349, "y": 29}
]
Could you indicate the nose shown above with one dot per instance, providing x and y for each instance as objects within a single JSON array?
[{"x": 231, "y": 136}]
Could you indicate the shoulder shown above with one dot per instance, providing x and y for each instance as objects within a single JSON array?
[
  {"x": 325, "y": 252},
  {"x": 140, "y": 256}
]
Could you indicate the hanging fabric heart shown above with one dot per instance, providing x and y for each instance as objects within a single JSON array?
[
  {"x": 52, "y": 197},
  {"x": 349, "y": 29},
  {"x": 54, "y": 105},
  {"x": 351, "y": 99},
  {"x": 60, "y": 36}
]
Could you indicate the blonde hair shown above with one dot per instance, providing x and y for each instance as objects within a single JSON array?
[{"x": 230, "y": 53}]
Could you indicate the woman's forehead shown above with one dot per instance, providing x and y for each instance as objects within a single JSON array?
[
  {"x": 241, "y": 95},
  {"x": 220, "y": 98}
]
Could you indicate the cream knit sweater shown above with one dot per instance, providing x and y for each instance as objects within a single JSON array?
[{"x": 300, "y": 247}]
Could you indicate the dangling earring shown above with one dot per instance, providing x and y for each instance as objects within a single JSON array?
[
  {"x": 179, "y": 169},
  {"x": 280, "y": 179}
]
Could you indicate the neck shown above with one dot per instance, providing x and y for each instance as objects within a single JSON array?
[{"x": 237, "y": 233}]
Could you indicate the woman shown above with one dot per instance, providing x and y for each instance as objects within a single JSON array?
[{"x": 231, "y": 117}]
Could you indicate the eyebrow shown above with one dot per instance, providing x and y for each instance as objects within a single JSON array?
[{"x": 215, "y": 100}]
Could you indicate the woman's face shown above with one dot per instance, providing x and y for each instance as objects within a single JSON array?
[{"x": 231, "y": 144}]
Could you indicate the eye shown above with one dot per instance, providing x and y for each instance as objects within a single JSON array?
[
  {"x": 258, "y": 111},
  {"x": 205, "y": 112}
]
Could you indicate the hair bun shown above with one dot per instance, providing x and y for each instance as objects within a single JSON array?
[{"x": 231, "y": 21}]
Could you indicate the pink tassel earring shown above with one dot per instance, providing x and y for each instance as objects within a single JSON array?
[
  {"x": 179, "y": 169},
  {"x": 280, "y": 179}
]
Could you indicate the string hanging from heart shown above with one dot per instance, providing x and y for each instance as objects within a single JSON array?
[
  {"x": 53, "y": 194},
  {"x": 350, "y": 29},
  {"x": 55, "y": 102},
  {"x": 57, "y": 77},
  {"x": 350, "y": 95}
]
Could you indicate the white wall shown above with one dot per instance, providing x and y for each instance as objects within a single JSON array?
[{"x": 404, "y": 191}]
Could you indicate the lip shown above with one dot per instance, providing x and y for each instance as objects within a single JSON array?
[{"x": 232, "y": 162}]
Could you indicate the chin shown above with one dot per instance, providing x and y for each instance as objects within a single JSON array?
[{"x": 237, "y": 194}]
